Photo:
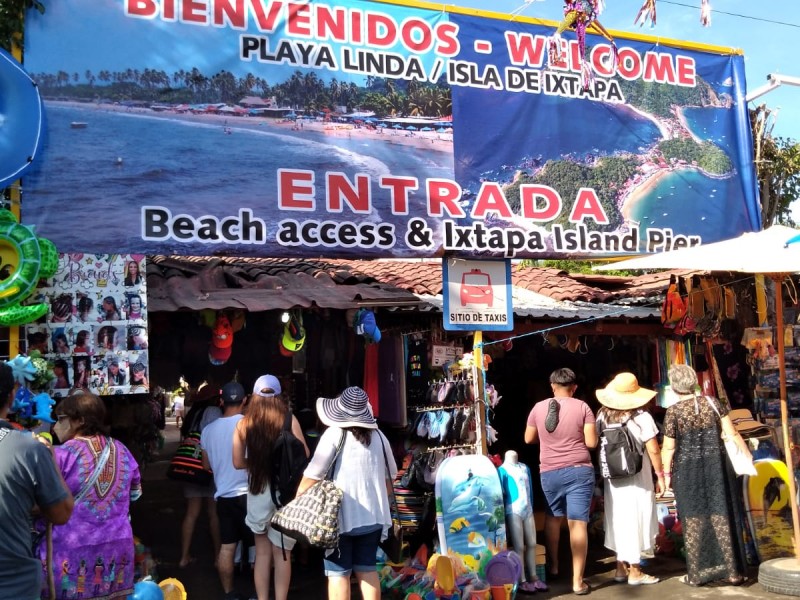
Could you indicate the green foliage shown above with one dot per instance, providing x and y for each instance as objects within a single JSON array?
[
  {"x": 302, "y": 91},
  {"x": 706, "y": 156},
  {"x": 12, "y": 21},
  {"x": 777, "y": 163},
  {"x": 575, "y": 266},
  {"x": 658, "y": 98}
]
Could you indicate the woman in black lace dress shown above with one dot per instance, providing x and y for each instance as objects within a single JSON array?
[{"x": 707, "y": 494}]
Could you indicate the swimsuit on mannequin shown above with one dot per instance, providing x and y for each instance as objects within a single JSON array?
[{"x": 515, "y": 478}]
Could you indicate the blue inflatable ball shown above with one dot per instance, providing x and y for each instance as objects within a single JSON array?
[{"x": 146, "y": 590}]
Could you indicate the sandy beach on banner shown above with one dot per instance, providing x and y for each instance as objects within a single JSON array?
[
  {"x": 640, "y": 192},
  {"x": 423, "y": 140}
]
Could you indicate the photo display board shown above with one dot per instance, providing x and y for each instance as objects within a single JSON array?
[{"x": 95, "y": 333}]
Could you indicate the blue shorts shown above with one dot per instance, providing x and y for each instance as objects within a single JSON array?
[
  {"x": 356, "y": 552},
  {"x": 569, "y": 491}
]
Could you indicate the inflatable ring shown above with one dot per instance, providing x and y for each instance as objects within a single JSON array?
[
  {"x": 22, "y": 115},
  {"x": 12, "y": 316},
  {"x": 21, "y": 253}
]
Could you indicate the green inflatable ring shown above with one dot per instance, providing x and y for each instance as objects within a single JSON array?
[
  {"x": 23, "y": 242},
  {"x": 48, "y": 265},
  {"x": 11, "y": 316}
]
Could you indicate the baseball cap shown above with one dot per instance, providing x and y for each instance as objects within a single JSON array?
[
  {"x": 232, "y": 393},
  {"x": 266, "y": 382},
  {"x": 365, "y": 325},
  {"x": 294, "y": 336},
  {"x": 217, "y": 355}
]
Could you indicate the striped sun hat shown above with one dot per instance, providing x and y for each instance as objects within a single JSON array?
[{"x": 350, "y": 409}]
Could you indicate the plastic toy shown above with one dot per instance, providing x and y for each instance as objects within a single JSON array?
[
  {"x": 44, "y": 408},
  {"x": 146, "y": 590},
  {"x": 25, "y": 258},
  {"x": 172, "y": 589},
  {"x": 23, "y": 119}
]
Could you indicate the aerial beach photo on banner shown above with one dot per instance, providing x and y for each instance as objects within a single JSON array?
[
  {"x": 376, "y": 129},
  {"x": 655, "y": 149}
]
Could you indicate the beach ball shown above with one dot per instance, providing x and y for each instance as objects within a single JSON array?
[{"x": 146, "y": 590}]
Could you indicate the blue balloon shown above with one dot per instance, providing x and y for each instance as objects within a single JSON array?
[
  {"x": 146, "y": 590},
  {"x": 21, "y": 119}
]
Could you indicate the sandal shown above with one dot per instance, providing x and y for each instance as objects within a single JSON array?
[
  {"x": 584, "y": 590},
  {"x": 527, "y": 587},
  {"x": 741, "y": 580},
  {"x": 643, "y": 580},
  {"x": 685, "y": 580},
  {"x": 551, "y": 420}
]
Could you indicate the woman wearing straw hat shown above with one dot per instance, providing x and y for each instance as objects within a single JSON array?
[
  {"x": 707, "y": 494},
  {"x": 631, "y": 525},
  {"x": 360, "y": 472}
]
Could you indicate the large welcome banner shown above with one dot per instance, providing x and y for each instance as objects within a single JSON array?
[{"x": 366, "y": 129}]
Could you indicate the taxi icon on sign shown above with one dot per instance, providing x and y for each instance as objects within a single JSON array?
[{"x": 476, "y": 288}]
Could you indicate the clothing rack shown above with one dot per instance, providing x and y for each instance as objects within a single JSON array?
[
  {"x": 431, "y": 408},
  {"x": 433, "y": 449}
]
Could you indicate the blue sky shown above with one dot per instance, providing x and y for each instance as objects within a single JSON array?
[{"x": 768, "y": 47}]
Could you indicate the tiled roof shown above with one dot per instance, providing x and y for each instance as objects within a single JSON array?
[
  {"x": 270, "y": 283},
  {"x": 258, "y": 284}
]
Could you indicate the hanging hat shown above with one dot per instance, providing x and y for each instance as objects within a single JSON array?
[
  {"x": 624, "y": 393},
  {"x": 222, "y": 332},
  {"x": 221, "y": 346},
  {"x": 294, "y": 336},
  {"x": 350, "y": 409},
  {"x": 365, "y": 325},
  {"x": 219, "y": 356},
  {"x": 744, "y": 422}
]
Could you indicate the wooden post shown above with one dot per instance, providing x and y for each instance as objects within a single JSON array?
[
  {"x": 480, "y": 390},
  {"x": 787, "y": 443}
]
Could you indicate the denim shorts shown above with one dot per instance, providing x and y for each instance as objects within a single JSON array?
[
  {"x": 569, "y": 491},
  {"x": 356, "y": 552}
]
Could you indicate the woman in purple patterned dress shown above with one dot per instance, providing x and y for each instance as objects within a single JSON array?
[{"x": 99, "y": 533}]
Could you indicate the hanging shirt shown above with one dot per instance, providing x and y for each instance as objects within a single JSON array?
[{"x": 515, "y": 480}]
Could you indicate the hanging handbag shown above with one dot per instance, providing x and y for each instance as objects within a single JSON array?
[
  {"x": 313, "y": 517},
  {"x": 741, "y": 460},
  {"x": 187, "y": 464},
  {"x": 392, "y": 546}
]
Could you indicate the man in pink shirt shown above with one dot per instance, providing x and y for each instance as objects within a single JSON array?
[{"x": 565, "y": 429}]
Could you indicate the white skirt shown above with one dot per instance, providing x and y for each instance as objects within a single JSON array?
[{"x": 260, "y": 509}]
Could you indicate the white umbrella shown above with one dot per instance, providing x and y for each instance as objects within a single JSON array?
[
  {"x": 764, "y": 251},
  {"x": 774, "y": 252}
]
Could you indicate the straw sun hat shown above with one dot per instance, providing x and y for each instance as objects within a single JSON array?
[
  {"x": 624, "y": 393},
  {"x": 350, "y": 409}
]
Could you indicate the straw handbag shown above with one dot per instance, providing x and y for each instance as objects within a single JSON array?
[{"x": 313, "y": 517}]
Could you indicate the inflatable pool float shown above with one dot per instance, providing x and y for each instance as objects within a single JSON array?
[
  {"x": 24, "y": 259},
  {"x": 21, "y": 119}
]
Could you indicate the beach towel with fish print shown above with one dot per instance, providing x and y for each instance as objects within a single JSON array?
[{"x": 469, "y": 509}]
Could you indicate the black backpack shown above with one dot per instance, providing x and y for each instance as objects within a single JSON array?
[
  {"x": 289, "y": 460},
  {"x": 620, "y": 453}
]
